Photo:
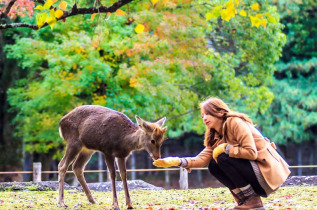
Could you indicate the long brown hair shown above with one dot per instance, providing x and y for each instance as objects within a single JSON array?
[{"x": 216, "y": 107}]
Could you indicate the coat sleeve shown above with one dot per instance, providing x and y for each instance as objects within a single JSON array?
[
  {"x": 241, "y": 132},
  {"x": 201, "y": 160}
]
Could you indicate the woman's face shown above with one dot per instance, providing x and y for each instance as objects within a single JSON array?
[{"x": 209, "y": 120}]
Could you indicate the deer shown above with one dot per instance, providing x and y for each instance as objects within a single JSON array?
[{"x": 90, "y": 128}]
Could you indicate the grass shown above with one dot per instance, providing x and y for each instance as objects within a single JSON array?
[{"x": 300, "y": 197}]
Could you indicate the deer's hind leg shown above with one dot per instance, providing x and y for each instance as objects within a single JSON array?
[
  {"x": 111, "y": 167},
  {"x": 70, "y": 154},
  {"x": 78, "y": 168}
]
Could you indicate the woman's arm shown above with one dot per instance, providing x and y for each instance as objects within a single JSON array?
[
  {"x": 201, "y": 160},
  {"x": 245, "y": 145}
]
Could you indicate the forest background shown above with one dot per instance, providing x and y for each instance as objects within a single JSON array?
[{"x": 155, "y": 59}]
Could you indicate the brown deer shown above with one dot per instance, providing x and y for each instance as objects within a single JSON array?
[{"x": 92, "y": 128}]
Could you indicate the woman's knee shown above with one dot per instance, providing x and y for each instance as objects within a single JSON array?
[
  {"x": 223, "y": 158},
  {"x": 213, "y": 167}
]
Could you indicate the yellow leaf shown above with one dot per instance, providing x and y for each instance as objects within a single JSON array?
[
  {"x": 260, "y": 16},
  {"x": 237, "y": 2},
  {"x": 54, "y": 1},
  {"x": 209, "y": 15},
  {"x": 267, "y": 14},
  {"x": 139, "y": 28},
  {"x": 52, "y": 13},
  {"x": 154, "y": 1},
  {"x": 229, "y": 4},
  {"x": 228, "y": 13},
  {"x": 93, "y": 16},
  {"x": 63, "y": 5},
  {"x": 59, "y": 13},
  {"x": 255, "y": 21},
  {"x": 48, "y": 4},
  {"x": 243, "y": 13},
  {"x": 272, "y": 19},
  {"x": 133, "y": 82},
  {"x": 51, "y": 21},
  {"x": 165, "y": 2},
  {"x": 216, "y": 12},
  {"x": 39, "y": 7},
  {"x": 120, "y": 12},
  {"x": 263, "y": 23},
  {"x": 255, "y": 6},
  {"x": 40, "y": 19}
]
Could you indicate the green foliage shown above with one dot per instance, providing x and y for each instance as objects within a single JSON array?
[
  {"x": 299, "y": 197},
  {"x": 179, "y": 60},
  {"x": 293, "y": 113},
  {"x": 300, "y": 20}
]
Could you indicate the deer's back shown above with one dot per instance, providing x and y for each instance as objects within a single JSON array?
[{"x": 96, "y": 127}]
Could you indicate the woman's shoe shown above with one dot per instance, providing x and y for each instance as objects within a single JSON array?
[
  {"x": 252, "y": 202},
  {"x": 236, "y": 198}
]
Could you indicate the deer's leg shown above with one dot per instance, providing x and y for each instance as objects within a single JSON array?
[
  {"x": 123, "y": 174},
  {"x": 112, "y": 170},
  {"x": 78, "y": 168},
  {"x": 70, "y": 154}
]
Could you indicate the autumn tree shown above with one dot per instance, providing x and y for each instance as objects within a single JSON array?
[{"x": 154, "y": 59}]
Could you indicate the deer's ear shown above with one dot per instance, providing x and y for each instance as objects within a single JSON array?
[
  {"x": 161, "y": 122},
  {"x": 144, "y": 125},
  {"x": 139, "y": 120},
  {"x": 164, "y": 129}
]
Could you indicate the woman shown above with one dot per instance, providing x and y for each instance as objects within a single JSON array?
[{"x": 238, "y": 155}]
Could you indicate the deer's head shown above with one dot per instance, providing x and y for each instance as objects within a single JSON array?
[{"x": 152, "y": 137}]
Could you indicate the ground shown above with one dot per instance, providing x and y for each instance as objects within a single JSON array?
[{"x": 298, "y": 197}]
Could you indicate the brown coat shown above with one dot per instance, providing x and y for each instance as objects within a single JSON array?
[{"x": 246, "y": 142}]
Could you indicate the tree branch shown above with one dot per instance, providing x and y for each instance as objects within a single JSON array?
[
  {"x": 7, "y": 10},
  {"x": 74, "y": 11}
]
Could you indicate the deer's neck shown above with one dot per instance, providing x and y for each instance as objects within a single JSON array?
[{"x": 135, "y": 140}]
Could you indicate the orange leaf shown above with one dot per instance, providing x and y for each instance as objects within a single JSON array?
[
  {"x": 93, "y": 16},
  {"x": 120, "y": 12},
  {"x": 63, "y": 5}
]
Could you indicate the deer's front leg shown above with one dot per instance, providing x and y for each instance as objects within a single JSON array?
[
  {"x": 123, "y": 174},
  {"x": 112, "y": 170}
]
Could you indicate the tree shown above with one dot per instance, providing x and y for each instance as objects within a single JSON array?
[
  {"x": 293, "y": 114},
  {"x": 160, "y": 61}
]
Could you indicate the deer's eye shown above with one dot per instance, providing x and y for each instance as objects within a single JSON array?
[{"x": 152, "y": 141}]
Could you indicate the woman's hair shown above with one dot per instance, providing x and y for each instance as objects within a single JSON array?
[{"x": 216, "y": 107}]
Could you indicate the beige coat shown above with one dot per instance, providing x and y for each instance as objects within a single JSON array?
[{"x": 246, "y": 142}]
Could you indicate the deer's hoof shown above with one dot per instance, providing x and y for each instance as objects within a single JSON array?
[
  {"x": 130, "y": 207},
  {"x": 62, "y": 204},
  {"x": 92, "y": 201}
]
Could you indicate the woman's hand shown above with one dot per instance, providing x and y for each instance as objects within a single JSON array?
[
  {"x": 167, "y": 162},
  {"x": 221, "y": 148}
]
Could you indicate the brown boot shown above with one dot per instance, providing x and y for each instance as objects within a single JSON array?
[
  {"x": 236, "y": 198},
  {"x": 252, "y": 202}
]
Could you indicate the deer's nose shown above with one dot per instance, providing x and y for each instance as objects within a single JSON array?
[{"x": 155, "y": 157}]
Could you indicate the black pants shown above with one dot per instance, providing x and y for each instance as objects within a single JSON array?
[{"x": 235, "y": 173}]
